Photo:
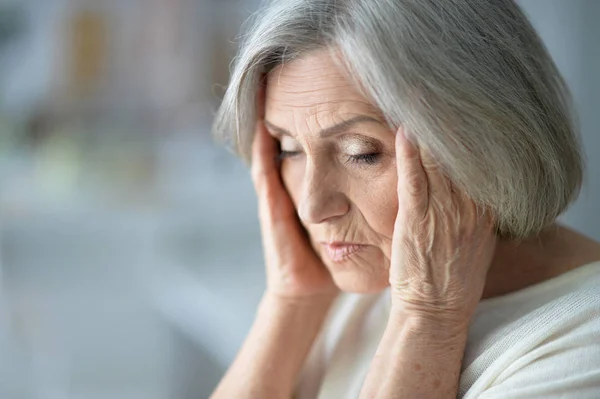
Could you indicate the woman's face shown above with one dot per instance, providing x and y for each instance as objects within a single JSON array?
[{"x": 339, "y": 167}]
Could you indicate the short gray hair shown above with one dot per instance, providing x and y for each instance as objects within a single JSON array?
[{"x": 469, "y": 80}]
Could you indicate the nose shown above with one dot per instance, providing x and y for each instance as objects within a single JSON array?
[{"x": 321, "y": 199}]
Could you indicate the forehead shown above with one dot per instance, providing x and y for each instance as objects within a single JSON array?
[{"x": 314, "y": 83}]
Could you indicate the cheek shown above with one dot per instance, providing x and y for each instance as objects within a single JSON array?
[{"x": 378, "y": 203}]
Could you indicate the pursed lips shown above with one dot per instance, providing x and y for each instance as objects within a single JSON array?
[{"x": 340, "y": 251}]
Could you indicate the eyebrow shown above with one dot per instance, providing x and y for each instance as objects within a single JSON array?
[{"x": 331, "y": 130}]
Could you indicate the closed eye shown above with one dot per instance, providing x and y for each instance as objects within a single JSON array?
[
  {"x": 368, "y": 159},
  {"x": 287, "y": 154}
]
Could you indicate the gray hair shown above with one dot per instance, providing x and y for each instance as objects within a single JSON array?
[{"x": 469, "y": 80}]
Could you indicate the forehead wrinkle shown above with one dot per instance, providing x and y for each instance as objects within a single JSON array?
[
  {"x": 323, "y": 119},
  {"x": 319, "y": 125},
  {"x": 348, "y": 105},
  {"x": 300, "y": 69},
  {"x": 296, "y": 93},
  {"x": 311, "y": 98},
  {"x": 310, "y": 83},
  {"x": 335, "y": 110},
  {"x": 312, "y": 95},
  {"x": 307, "y": 90}
]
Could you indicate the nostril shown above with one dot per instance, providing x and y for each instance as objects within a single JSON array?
[{"x": 322, "y": 207}]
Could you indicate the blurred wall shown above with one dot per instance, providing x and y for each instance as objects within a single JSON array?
[
  {"x": 129, "y": 242},
  {"x": 571, "y": 32}
]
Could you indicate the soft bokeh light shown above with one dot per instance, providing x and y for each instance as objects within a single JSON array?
[
  {"x": 114, "y": 201},
  {"x": 130, "y": 258}
]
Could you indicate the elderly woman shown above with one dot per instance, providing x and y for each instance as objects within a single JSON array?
[{"x": 411, "y": 158}]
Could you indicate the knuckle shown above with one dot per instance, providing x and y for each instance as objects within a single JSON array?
[
  {"x": 415, "y": 185},
  {"x": 431, "y": 166},
  {"x": 255, "y": 172},
  {"x": 257, "y": 179}
]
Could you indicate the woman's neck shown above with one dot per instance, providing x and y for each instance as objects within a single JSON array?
[{"x": 519, "y": 264}]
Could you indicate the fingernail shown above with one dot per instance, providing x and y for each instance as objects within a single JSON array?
[{"x": 400, "y": 135}]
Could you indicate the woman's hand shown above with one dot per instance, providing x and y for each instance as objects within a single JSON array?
[
  {"x": 293, "y": 268},
  {"x": 442, "y": 249},
  {"x": 299, "y": 293},
  {"x": 443, "y": 243}
]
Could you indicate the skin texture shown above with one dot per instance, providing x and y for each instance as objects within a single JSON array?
[
  {"x": 342, "y": 185},
  {"x": 340, "y": 198},
  {"x": 443, "y": 244},
  {"x": 293, "y": 269},
  {"x": 420, "y": 237},
  {"x": 442, "y": 249}
]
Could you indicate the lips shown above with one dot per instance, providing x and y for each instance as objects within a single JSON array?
[{"x": 339, "y": 252}]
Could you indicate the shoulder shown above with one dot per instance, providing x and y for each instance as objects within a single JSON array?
[{"x": 540, "y": 343}]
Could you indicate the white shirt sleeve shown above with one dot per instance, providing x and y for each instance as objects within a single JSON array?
[
  {"x": 551, "y": 352},
  {"x": 541, "y": 342},
  {"x": 568, "y": 367}
]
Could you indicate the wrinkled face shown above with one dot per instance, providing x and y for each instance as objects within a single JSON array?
[{"x": 339, "y": 167}]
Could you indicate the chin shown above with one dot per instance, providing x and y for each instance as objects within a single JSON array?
[
  {"x": 365, "y": 274},
  {"x": 359, "y": 283}
]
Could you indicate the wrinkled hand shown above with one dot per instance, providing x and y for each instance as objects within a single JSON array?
[
  {"x": 443, "y": 243},
  {"x": 293, "y": 268}
]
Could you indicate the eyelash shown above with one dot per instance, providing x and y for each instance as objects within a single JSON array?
[
  {"x": 367, "y": 159},
  {"x": 287, "y": 154}
]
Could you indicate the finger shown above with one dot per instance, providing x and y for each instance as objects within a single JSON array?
[
  {"x": 439, "y": 185},
  {"x": 265, "y": 168},
  {"x": 261, "y": 97},
  {"x": 474, "y": 212},
  {"x": 412, "y": 179},
  {"x": 261, "y": 146}
]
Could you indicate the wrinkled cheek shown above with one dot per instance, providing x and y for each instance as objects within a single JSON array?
[{"x": 380, "y": 210}]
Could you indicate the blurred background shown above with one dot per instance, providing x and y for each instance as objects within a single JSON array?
[{"x": 130, "y": 259}]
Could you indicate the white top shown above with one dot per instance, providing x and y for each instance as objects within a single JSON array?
[{"x": 540, "y": 342}]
